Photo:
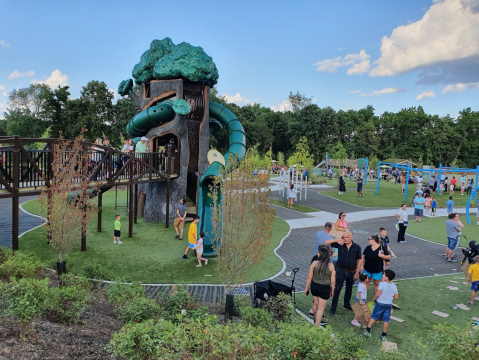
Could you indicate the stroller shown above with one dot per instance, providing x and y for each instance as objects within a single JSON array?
[
  {"x": 263, "y": 290},
  {"x": 469, "y": 252}
]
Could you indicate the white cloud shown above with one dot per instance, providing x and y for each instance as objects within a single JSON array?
[
  {"x": 426, "y": 94},
  {"x": 4, "y": 44},
  {"x": 357, "y": 63},
  {"x": 460, "y": 87},
  {"x": 391, "y": 90},
  {"x": 353, "y": 92},
  {"x": 448, "y": 32},
  {"x": 57, "y": 78},
  {"x": 283, "y": 107},
  {"x": 16, "y": 74},
  {"x": 113, "y": 91},
  {"x": 237, "y": 99},
  {"x": 2, "y": 87},
  {"x": 341, "y": 49},
  {"x": 3, "y": 107}
]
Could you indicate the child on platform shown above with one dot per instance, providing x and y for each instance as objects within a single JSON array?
[
  {"x": 387, "y": 291},
  {"x": 361, "y": 296}
]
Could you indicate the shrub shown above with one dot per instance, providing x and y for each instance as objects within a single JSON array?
[
  {"x": 281, "y": 306},
  {"x": 138, "y": 309},
  {"x": 119, "y": 292},
  {"x": 95, "y": 271},
  {"x": 349, "y": 343},
  {"x": 317, "y": 180},
  {"x": 5, "y": 253},
  {"x": 454, "y": 343},
  {"x": 79, "y": 282},
  {"x": 23, "y": 298},
  {"x": 257, "y": 317},
  {"x": 20, "y": 265},
  {"x": 67, "y": 303},
  {"x": 177, "y": 301}
]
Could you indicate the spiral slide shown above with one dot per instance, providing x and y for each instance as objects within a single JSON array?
[{"x": 140, "y": 124}]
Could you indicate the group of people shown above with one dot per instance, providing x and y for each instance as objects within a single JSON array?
[{"x": 327, "y": 276}]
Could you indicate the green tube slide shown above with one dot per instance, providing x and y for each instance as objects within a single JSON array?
[
  {"x": 154, "y": 116},
  {"x": 237, "y": 147}
]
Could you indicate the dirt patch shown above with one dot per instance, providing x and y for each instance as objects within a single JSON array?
[{"x": 42, "y": 339}]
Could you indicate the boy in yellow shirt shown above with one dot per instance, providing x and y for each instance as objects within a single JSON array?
[
  {"x": 192, "y": 236},
  {"x": 473, "y": 277}
]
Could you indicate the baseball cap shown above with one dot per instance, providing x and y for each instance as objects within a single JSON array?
[
  {"x": 144, "y": 138},
  {"x": 328, "y": 225},
  {"x": 419, "y": 192}
]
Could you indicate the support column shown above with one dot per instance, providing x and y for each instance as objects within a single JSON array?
[
  {"x": 167, "y": 220},
  {"x": 100, "y": 204},
  {"x": 477, "y": 178},
  {"x": 135, "y": 199},
  {"x": 83, "y": 227},
  {"x": 377, "y": 185},
  {"x": 130, "y": 213},
  {"x": 365, "y": 167},
  {"x": 16, "y": 197},
  {"x": 407, "y": 181},
  {"x": 439, "y": 179}
]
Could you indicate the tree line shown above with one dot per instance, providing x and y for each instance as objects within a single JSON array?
[{"x": 411, "y": 133}]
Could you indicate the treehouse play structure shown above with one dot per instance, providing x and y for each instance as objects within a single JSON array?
[{"x": 174, "y": 84}]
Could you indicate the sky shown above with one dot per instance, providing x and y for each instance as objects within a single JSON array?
[{"x": 346, "y": 54}]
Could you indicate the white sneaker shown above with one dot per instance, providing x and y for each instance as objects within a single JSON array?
[
  {"x": 114, "y": 242},
  {"x": 198, "y": 265},
  {"x": 356, "y": 323},
  {"x": 119, "y": 242},
  {"x": 206, "y": 262}
]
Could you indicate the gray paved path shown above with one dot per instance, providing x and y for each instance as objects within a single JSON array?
[{"x": 26, "y": 221}]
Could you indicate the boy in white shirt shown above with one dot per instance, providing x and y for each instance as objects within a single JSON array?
[{"x": 387, "y": 291}]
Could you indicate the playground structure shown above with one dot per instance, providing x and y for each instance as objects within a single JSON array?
[
  {"x": 285, "y": 179},
  {"x": 357, "y": 163}
]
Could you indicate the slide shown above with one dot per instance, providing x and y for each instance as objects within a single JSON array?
[{"x": 154, "y": 116}]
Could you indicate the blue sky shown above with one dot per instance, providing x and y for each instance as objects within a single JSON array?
[{"x": 345, "y": 54}]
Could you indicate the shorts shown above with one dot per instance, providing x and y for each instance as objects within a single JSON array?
[
  {"x": 403, "y": 186},
  {"x": 178, "y": 222},
  {"x": 383, "y": 310},
  {"x": 433, "y": 209},
  {"x": 451, "y": 243},
  {"x": 321, "y": 291},
  {"x": 475, "y": 286},
  {"x": 117, "y": 233},
  {"x": 450, "y": 209},
  {"x": 374, "y": 276},
  {"x": 358, "y": 299},
  {"x": 418, "y": 212},
  {"x": 191, "y": 245},
  {"x": 360, "y": 188}
]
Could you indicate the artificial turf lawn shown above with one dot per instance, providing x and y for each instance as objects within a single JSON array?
[
  {"x": 417, "y": 298},
  {"x": 434, "y": 229},
  {"x": 151, "y": 256},
  {"x": 389, "y": 195},
  {"x": 297, "y": 207}
]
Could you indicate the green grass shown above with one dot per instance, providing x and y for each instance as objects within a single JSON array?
[
  {"x": 351, "y": 184},
  {"x": 417, "y": 298},
  {"x": 152, "y": 256},
  {"x": 434, "y": 229},
  {"x": 389, "y": 196},
  {"x": 297, "y": 207}
]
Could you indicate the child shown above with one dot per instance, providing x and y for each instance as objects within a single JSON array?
[
  {"x": 361, "y": 296},
  {"x": 428, "y": 202},
  {"x": 441, "y": 188},
  {"x": 117, "y": 232},
  {"x": 192, "y": 236},
  {"x": 473, "y": 277},
  {"x": 291, "y": 195},
  {"x": 387, "y": 291},
  {"x": 199, "y": 250},
  {"x": 463, "y": 186},
  {"x": 451, "y": 188},
  {"x": 450, "y": 205},
  {"x": 433, "y": 206},
  {"x": 384, "y": 240},
  {"x": 359, "y": 182}
]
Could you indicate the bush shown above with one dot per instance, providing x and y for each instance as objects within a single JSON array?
[
  {"x": 257, "y": 317},
  {"x": 23, "y": 298},
  {"x": 315, "y": 179},
  {"x": 281, "y": 306},
  {"x": 67, "y": 303},
  {"x": 95, "y": 271},
  {"x": 119, "y": 292},
  {"x": 20, "y": 265},
  {"x": 454, "y": 343},
  {"x": 138, "y": 309},
  {"x": 79, "y": 282},
  {"x": 5, "y": 253},
  {"x": 178, "y": 305}
]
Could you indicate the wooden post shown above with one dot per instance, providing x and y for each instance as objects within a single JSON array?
[
  {"x": 136, "y": 203},
  {"x": 100, "y": 201},
  {"x": 130, "y": 213},
  {"x": 83, "y": 196},
  {"x": 15, "y": 199},
  {"x": 167, "y": 221}
]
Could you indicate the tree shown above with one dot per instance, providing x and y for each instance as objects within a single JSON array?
[
  {"x": 124, "y": 110},
  {"x": 298, "y": 101},
  {"x": 339, "y": 153},
  {"x": 302, "y": 155},
  {"x": 55, "y": 112},
  {"x": 242, "y": 221},
  {"x": 65, "y": 199}
]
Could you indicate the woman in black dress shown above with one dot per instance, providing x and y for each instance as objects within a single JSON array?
[{"x": 342, "y": 185}]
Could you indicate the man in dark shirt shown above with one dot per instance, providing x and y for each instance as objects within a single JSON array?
[
  {"x": 347, "y": 268},
  {"x": 170, "y": 150}
]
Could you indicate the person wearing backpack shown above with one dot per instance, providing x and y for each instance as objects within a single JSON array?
[{"x": 373, "y": 261}]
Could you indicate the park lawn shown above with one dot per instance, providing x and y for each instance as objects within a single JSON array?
[
  {"x": 417, "y": 298},
  {"x": 434, "y": 229},
  {"x": 297, "y": 207},
  {"x": 151, "y": 256},
  {"x": 351, "y": 184},
  {"x": 390, "y": 196}
]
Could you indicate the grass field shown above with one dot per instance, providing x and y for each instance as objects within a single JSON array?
[
  {"x": 389, "y": 195},
  {"x": 417, "y": 298},
  {"x": 152, "y": 256},
  {"x": 297, "y": 207},
  {"x": 434, "y": 229}
]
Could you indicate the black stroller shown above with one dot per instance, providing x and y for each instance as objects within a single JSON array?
[
  {"x": 263, "y": 290},
  {"x": 469, "y": 252}
]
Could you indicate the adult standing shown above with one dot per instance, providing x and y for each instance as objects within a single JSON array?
[
  {"x": 431, "y": 182},
  {"x": 373, "y": 261},
  {"x": 419, "y": 182},
  {"x": 180, "y": 218},
  {"x": 322, "y": 236},
  {"x": 453, "y": 231},
  {"x": 469, "y": 186},
  {"x": 401, "y": 215},
  {"x": 341, "y": 225},
  {"x": 306, "y": 177},
  {"x": 169, "y": 153},
  {"x": 342, "y": 185},
  {"x": 347, "y": 268},
  {"x": 419, "y": 202},
  {"x": 330, "y": 173},
  {"x": 142, "y": 145},
  {"x": 321, "y": 282},
  {"x": 453, "y": 183}
]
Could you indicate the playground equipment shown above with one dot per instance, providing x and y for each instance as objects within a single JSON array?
[{"x": 285, "y": 178}]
